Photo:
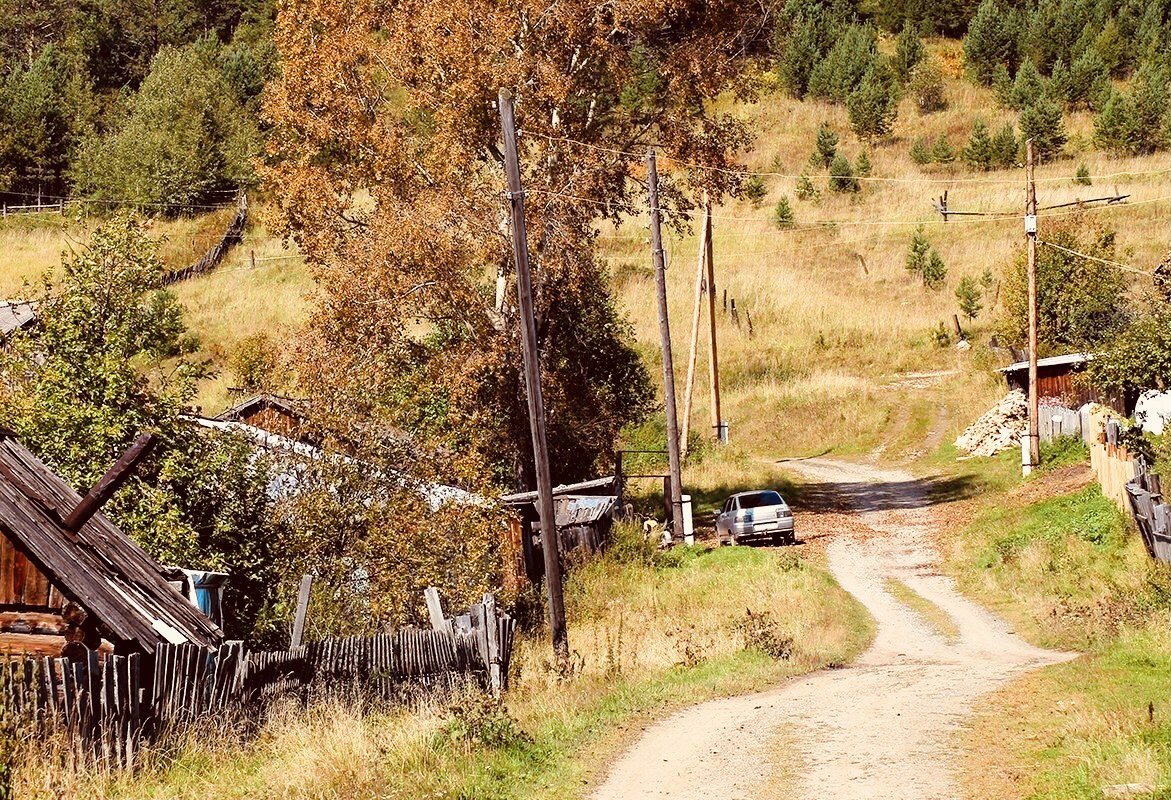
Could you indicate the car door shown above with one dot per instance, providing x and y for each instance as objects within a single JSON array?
[{"x": 722, "y": 519}]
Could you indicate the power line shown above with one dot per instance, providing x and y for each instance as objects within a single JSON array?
[
  {"x": 1106, "y": 261},
  {"x": 870, "y": 178}
]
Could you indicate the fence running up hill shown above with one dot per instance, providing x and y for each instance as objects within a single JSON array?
[
  {"x": 233, "y": 234},
  {"x": 109, "y": 707}
]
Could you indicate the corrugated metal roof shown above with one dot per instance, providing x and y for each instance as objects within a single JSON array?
[
  {"x": 522, "y": 498},
  {"x": 583, "y": 510},
  {"x": 15, "y": 315},
  {"x": 1053, "y": 361},
  {"x": 99, "y": 567}
]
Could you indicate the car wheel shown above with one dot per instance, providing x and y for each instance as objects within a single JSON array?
[
  {"x": 778, "y": 539},
  {"x": 732, "y": 539}
]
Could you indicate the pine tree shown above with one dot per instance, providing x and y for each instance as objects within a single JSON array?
[
  {"x": 1148, "y": 92},
  {"x": 873, "y": 106},
  {"x": 921, "y": 151},
  {"x": 1112, "y": 47},
  {"x": 755, "y": 191},
  {"x": 1028, "y": 86},
  {"x": 1005, "y": 147},
  {"x": 783, "y": 214},
  {"x": 862, "y": 167},
  {"x": 989, "y": 41},
  {"x": 827, "y": 145},
  {"x": 942, "y": 152},
  {"x": 979, "y": 153},
  {"x": 934, "y": 271},
  {"x": 918, "y": 252},
  {"x": 1002, "y": 85},
  {"x": 909, "y": 51},
  {"x": 1082, "y": 178},
  {"x": 1088, "y": 77},
  {"x": 1042, "y": 122},
  {"x": 968, "y": 297},
  {"x": 846, "y": 64},
  {"x": 841, "y": 176}
]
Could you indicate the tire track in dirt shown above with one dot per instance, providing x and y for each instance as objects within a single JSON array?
[{"x": 880, "y": 728}]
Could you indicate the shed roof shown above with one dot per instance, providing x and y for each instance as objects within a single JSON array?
[
  {"x": 100, "y": 567},
  {"x": 1070, "y": 359},
  {"x": 16, "y": 315},
  {"x": 259, "y": 402},
  {"x": 583, "y": 509},
  {"x": 436, "y": 494},
  {"x": 582, "y": 488}
]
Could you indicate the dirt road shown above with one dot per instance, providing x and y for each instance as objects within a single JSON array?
[{"x": 880, "y": 728}]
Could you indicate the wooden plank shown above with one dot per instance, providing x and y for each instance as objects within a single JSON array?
[{"x": 303, "y": 594}]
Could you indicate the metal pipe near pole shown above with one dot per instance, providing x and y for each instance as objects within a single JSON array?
[
  {"x": 665, "y": 338},
  {"x": 536, "y": 403},
  {"x": 1034, "y": 433}
]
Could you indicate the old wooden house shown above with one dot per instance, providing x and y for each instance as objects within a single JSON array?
[
  {"x": 70, "y": 579},
  {"x": 270, "y": 412}
]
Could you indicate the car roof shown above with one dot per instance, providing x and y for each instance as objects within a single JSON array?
[{"x": 756, "y": 491}]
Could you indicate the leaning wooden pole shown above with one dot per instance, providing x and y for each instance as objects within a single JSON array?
[
  {"x": 713, "y": 356},
  {"x": 689, "y": 392},
  {"x": 1034, "y": 443},
  {"x": 665, "y": 339},
  {"x": 536, "y": 403}
]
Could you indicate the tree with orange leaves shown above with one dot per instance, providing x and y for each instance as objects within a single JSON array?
[{"x": 385, "y": 163}]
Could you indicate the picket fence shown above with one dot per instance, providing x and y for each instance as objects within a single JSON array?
[
  {"x": 1151, "y": 514},
  {"x": 109, "y": 707}
]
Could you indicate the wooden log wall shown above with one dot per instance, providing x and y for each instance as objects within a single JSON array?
[{"x": 108, "y": 707}]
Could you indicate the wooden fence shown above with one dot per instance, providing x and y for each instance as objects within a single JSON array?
[
  {"x": 233, "y": 235},
  {"x": 108, "y": 707},
  {"x": 1151, "y": 514},
  {"x": 37, "y": 208}
]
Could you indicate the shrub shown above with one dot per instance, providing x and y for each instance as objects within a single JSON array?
[
  {"x": 254, "y": 363},
  {"x": 806, "y": 190},
  {"x": 841, "y": 176},
  {"x": 761, "y": 631},
  {"x": 927, "y": 88}
]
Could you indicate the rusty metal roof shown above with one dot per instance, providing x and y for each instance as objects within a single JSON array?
[
  {"x": 99, "y": 566},
  {"x": 582, "y": 510}
]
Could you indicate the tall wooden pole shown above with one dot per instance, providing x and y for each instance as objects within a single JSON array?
[
  {"x": 713, "y": 357},
  {"x": 665, "y": 338},
  {"x": 1034, "y": 454},
  {"x": 549, "y": 542},
  {"x": 689, "y": 392}
]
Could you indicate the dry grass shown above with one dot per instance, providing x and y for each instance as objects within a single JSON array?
[{"x": 649, "y": 633}]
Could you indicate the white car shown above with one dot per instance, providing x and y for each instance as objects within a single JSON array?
[{"x": 755, "y": 514}]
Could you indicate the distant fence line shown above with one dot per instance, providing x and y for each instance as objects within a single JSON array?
[
  {"x": 37, "y": 208},
  {"x": 212, "y": 258},
  {"x": 109, "y": 707}
]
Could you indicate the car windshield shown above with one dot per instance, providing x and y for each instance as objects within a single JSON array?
[{"x": 760, "y": 499}]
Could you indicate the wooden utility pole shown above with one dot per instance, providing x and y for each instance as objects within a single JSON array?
[
  {"x": 1034, "y": 443},
  {"x": 688, "y": 393},
  {"x": 549, "y": 542},
  {"x": 665, "y": 338},
  {"x": 713, "y": 358}
]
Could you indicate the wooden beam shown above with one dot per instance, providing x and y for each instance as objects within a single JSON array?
[
  {"x": 302, "y": 610},
  {"x": 97, "y": 496}
]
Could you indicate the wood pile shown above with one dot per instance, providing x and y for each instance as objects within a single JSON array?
[{"x": 999, "y": 428}]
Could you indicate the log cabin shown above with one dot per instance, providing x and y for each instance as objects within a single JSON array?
[
  {"x": 270, "y": 412},
  {"x": 71, "y": 580}
]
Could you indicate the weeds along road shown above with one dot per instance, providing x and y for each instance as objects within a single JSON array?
[{"x": 879, "y": 728}]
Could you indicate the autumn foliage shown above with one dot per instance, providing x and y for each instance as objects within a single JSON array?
[{"x": 386, "y": 165}]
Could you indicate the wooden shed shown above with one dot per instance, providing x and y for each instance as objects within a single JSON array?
[
  {"x": 270, "y": 412},
  {"x": 584, "y": 516},
  {"x": 71, "y": 579},
  {"x": 1059, "y": 378}
]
